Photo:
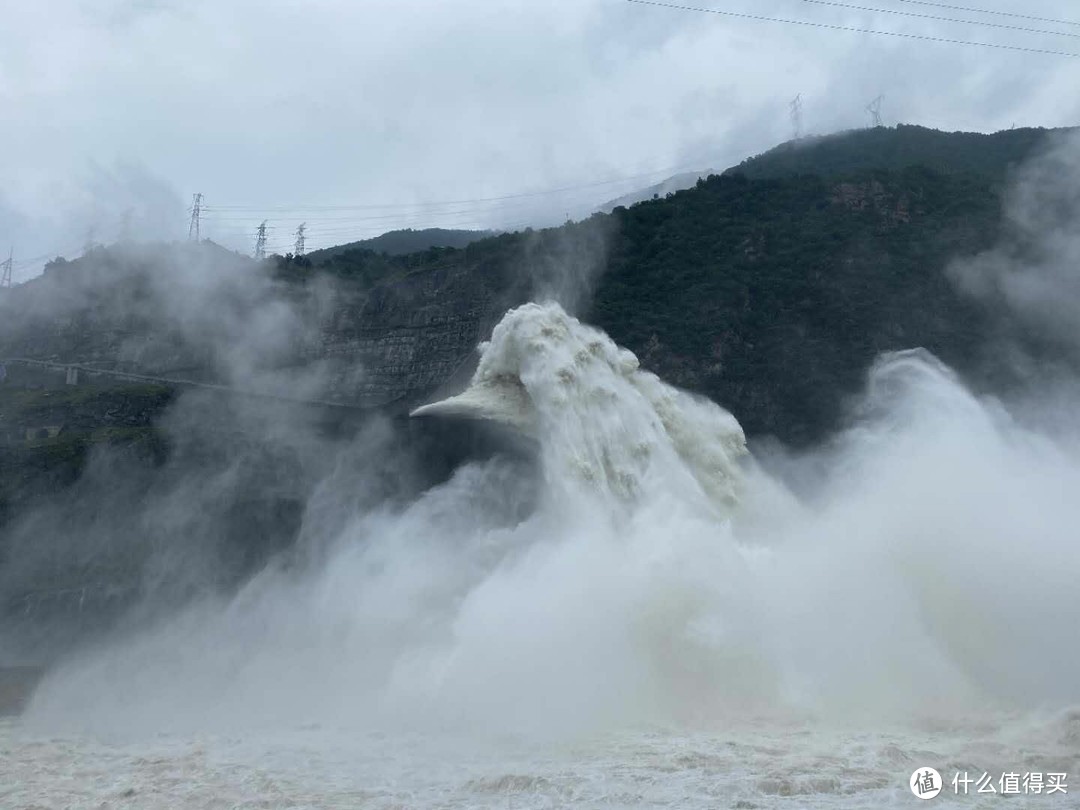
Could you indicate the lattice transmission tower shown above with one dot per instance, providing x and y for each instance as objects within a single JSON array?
[
  {"x": 260, "y": 242},
  {"x": 874, "y": 108},
  {"x": 5, "y": 269},
  {"x": 196, "y": 211},
  {"x": 299, "y": 248}
]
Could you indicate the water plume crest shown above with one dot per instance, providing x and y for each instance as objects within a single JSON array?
[{"x": 604, "y": 422}]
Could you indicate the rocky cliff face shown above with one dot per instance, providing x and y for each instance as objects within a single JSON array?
[{"x": 398, "y": 341}]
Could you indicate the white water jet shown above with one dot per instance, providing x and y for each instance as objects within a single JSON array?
[{"x": 602, "y": 421}]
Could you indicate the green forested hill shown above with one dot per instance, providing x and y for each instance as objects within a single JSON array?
[
  {"x": 899, "y": 148},
  {"x": 774, "y": 296}
]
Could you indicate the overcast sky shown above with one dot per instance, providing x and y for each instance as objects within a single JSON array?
[{"x": 349, "y": 114}]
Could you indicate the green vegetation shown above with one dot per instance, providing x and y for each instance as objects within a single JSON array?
[
  {"x": 81, "y": 404},
  {"x": 774, "y": 296},
  {"x": 898, "y": 148},
  {"x": 47, "y": 434},
  {"x": 398, "y": 243},
  {"x": 507, "y": 265}
]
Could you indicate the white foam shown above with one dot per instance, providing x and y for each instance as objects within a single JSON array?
[{"x": 604, "y": 422}]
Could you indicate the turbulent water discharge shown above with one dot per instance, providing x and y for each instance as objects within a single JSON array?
[{"x": 644, "y": 615}]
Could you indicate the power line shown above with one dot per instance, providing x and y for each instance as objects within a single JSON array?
[
  {"x": 482, "y": 215},
  {"x": 344, "y": 235},
  {"x": 325, "y": 226},
  {"x": 350, "y": 212},
  {"x": 25, "y": 262},
  {"x": 614, "y": 181},
  {"x": 361, "y": 222},
  {"x": 916, "y": 15},
  {"x": 235, "y": 216},
  {"x": 989, "y": 11},
  {"x": 401, "y": 216},
  {"x": 851, "y": 29}
]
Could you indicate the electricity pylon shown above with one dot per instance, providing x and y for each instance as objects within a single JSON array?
[
  {"x": 874, "y": 108},
  {"x": 5, "y": 269},
  {"x": 196, "y": 210},
  {"x": 260, "y": 242},
  {"x": 299, "y": 249}
]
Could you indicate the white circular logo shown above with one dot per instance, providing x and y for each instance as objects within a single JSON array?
[{"x": 925, "y": 783}]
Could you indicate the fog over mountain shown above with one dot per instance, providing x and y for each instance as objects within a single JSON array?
[
  {"x": 452, "y": 104},
  {"x": 752, "y": 490}
]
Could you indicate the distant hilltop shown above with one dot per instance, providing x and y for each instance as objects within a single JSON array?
[
  {"x": 402, "y": 242},
  {"x": 899, "y": 147},
  {"x": 854, "y": 150}
]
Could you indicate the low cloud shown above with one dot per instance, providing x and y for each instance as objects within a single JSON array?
[{"x": 1033, "y": 274}]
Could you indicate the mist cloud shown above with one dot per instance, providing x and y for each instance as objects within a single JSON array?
[
  {"x": 1035, "y": 272},
  {"x": 524, "y": 98}
]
